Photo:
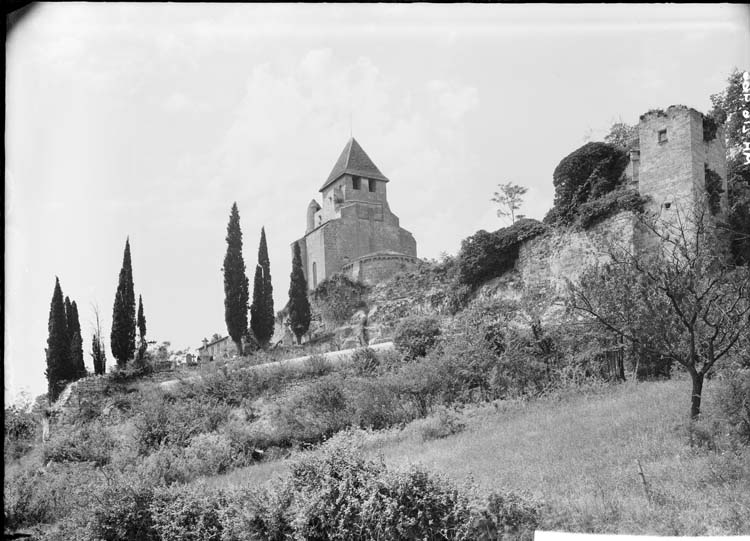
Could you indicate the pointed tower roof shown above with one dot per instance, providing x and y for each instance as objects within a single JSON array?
[{"x": 354, "y": 161}]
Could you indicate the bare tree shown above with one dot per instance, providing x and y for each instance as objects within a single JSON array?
[
  {"x": 509, "y": 199},
  {"x": 682, "y": 298}
]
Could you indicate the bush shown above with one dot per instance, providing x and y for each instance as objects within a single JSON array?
[
  {"x": 445, "y": 423},
  {"x": 90, "y": 443},
  {"x": 313, "y": 413},
  {"x": 187, "y": 513},
  {"x": 46, "y": 495},
  {"x": 259, "y": 514},
  {"x": 316, "y": 366},
  {"x": 733, "y": 403},
  {"x": 377, "y": 404},
  {"x": 208, "y": 454},
  {"x": 365, "y": 362},
  {"x": 506, "y": 515},
  {"x": 124, "y": 514},
  {"x": 20, "y": 431},
  {"x": 416, "y": 335},
  {"x": 594, "y": 211},
  {"x": 171, "y": 421},
  {"x": 586, "y": 174},
  {"x": 484, "y": 255},
  {"x": 414, "y": 505},
  {"x": 337, "y": 297}
]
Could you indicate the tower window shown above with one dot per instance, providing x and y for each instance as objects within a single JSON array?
[
  {"x": 315, "y": 274},
  {"x": 667, "y": 205},
  {"x": 356, "y": 183},
  {"x": 372, "y": 184},
  {"x": 662, "y": 136}
]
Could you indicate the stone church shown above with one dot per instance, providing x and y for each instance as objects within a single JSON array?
[{"x": 353, "y": 230}]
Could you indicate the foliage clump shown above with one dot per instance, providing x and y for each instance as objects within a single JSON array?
[
  {"x": 484, "y": 255},
  {"x": 594, "y": 211},
  {"x": 261, "y": 310},
  {"x": 236, "y": 286},
  {"x": 586, "y": 174},
  {"x": 416, "y": 335},
  {"x": 338, "y": 297},
  {"x": 714, "y": 189}
]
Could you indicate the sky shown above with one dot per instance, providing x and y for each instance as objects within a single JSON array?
[{"x": 149, "y": 120}]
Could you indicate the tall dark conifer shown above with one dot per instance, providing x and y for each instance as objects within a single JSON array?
[
  {"x": 142, "y": 344},
  {"x": 122, "y": 337},
  {"x": 76, "y": 342},
  {"x": 261, "y": 311},
  {"x": 299, "y": 305},
  {"x": 236, "y": 287},
  {"x": 58, "y": 345}
]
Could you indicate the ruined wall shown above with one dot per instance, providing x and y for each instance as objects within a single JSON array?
[{"x": 561, "y": 254}]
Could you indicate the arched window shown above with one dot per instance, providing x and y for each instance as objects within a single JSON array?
[{"x": 315, "y": 274}]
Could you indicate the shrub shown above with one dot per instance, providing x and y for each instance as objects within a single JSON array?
[
  {"x": 484, "y": 255},
  {"x": 46, "y": 495},
  {"x": 507, "y": 515},
  {"x": 24, "y": 500},
  {"x": 584, "y": 175},
  {"x": 259, "y": 514},
  {"x": 90, "y": 443},
  {"x": 376, "y": 404},
  {"x": 594, "y": 211},
  {"x": 314, "y": 412},
  {"x": 364, "y": 361},
  {"x": 416, "y": 335},
  {"x": 171, "y": 421},
  {"x": 187, "y": 513},
  {"x": 123, "y": 513},
  {"x": 20, "y": 431},
  {"x": 315, "y": 366},
  {"x": 733, "y": 403},
  {"x": 445, "y": 423},
  {"x": 208, "y": 454},
  {"x": 337, "y": 297},
  {"x": 414, "y": 505}
]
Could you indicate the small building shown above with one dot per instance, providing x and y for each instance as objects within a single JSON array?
[{"x": 219, "y": 348}]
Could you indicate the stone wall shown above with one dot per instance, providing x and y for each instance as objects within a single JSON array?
[
  {"x": 378, "y": 267},
  {"x": 553, "y": 257}
]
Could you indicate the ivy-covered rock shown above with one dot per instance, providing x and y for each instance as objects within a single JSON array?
[
  {"x": 594, "y": 211},
  {"x": 586, "y": 174},
  {"x": 484, "y": 255},
  {"x": 338, "y": 297}
]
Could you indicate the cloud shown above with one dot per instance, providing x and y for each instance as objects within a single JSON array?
[{"x": 453, "y": 100}]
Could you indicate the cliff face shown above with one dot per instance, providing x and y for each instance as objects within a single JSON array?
[{"x": 544, "y": 263}]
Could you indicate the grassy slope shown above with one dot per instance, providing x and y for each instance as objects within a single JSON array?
[{"x": 578, "y": 454}]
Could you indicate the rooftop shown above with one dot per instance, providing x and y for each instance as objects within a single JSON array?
[{"x": 354, "y": 161}]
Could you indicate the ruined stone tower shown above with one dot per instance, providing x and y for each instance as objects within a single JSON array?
[
  {"x": 354, "y": 230},
  {"x": 679, "y": 148}
]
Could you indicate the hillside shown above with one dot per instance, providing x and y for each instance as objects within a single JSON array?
[{"x": 580, "y": 453}]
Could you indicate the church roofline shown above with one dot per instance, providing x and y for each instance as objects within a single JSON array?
[{"x": 353, "y": 161}]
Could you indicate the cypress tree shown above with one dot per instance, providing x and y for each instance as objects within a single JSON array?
[
  {"x": 122, "y": 337},
  {"x": 299, "y": 305},
  {"x": 236, "y": 294},
  {"x": 261, "y": 311},
  {"x": 69, "y": 369},
  {"x": 141, "y": 330},
  {"x": 58, "y": 345},
  {"x": 98, "y": 355},
  {"x": 76, "y": 342}
]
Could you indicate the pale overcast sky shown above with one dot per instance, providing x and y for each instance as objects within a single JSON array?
[{"x": 149, "y": 120}]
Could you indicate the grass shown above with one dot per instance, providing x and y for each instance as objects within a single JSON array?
[{"x": 580, "y": 454}]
